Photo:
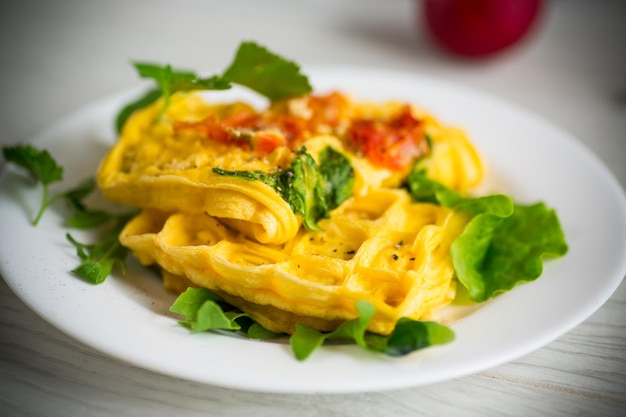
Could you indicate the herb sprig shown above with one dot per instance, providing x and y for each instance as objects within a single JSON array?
[
  {"x": 97, "y": 259},
  {"x": 253, "y": 66},
  {"x": 42, "y": 168}
]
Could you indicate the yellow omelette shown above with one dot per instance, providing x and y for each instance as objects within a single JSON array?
[{"x": 241, "y": 239}]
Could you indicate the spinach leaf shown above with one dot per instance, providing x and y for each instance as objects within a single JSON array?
[
  {"x": 310, "y": 191},
  {"x": 303, "y": 191},
  {"x": 338, "y": 177}
]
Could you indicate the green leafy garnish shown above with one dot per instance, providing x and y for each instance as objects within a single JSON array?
[
  {"x": 503, "y": 244},
  {"x": 493, "y": 254},
  {"x": 253, "y": 66},
  {"x": 304, "y": 193},
  {"x": 45, "y": 170},
  {"x": 311, "y": 191},
  {"x": 99, "y": 259},
  {"x": 407, "y": 336},
  {"x": 422, "y": 188},
  {"x": 169, "y": 81},
  {"x": 41, "y": 166},
  {"x": 338, "y": 177},
  {"x": 204, "y": 310},
  {"x": 266, "y": 73},
  {"x": 305, "y": 340}
]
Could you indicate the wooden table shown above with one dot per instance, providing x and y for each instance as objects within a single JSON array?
[{"x": 58, "y": 56}]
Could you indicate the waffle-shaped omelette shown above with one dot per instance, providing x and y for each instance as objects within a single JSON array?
[{"x": 208, "y": 180}]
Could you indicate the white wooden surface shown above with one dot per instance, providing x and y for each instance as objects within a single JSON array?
[{"x": 60, "y": 55}]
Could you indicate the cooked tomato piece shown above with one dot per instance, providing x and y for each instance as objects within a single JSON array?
[
  {"x": 327, "y": 110},
  {"x": 265, "y": 142},
  {"x": 265, "y": 131},
  {"x": 210, "y": 128},
  {"x": 394, "y": 143}
]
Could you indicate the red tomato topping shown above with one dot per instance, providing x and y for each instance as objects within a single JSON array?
[
  {"x": 394, "y": 143},
  {"x": 327, "y": 110},
  {"x": 265, "y": 142},
  {"x": 265, "y": 131},
  {"x": 209, "y": 127}
]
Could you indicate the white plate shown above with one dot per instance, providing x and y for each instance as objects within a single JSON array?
[{"x": 127, "y": 316}]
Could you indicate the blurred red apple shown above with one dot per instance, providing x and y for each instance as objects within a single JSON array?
[{"x": 479, "y": 28}]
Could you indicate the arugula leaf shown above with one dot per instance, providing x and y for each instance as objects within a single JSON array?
[
  {"x": 189, "y": 302},
  {"x": 204, "y": 310},
  {"x": 40, "y": 165},
  {"x": 305, "y": 340},
  {"x": 266, "y": 73},
  {"x": 211, "y": 316},
  {"x": 253, "y": 66},
  {"x": 99, "y": 259},
  {"x": 338, "y": 177},
  {"x": 408, "y": 335},
  {"x": 503, "y": 244},
  {"x": 256, "y": 331}
]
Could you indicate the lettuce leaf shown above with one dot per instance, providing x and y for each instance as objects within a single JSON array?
[
  {"x": 494, "y": 254},
  {"x": 503, "y": 244}
]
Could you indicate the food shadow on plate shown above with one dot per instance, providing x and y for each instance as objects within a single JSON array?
[{"x": 144, "y": 286}]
